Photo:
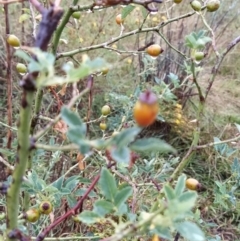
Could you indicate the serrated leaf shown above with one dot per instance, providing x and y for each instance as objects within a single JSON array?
[
  {"x": 190, "y": 231},
  {"x": 89, "y": 217},
  {"x": 108, "y": 184},
  {"x": 65, "y": 191},
  {"x": 58, "y": 183},
  {"x": 122, "y": 196},
  {"x": 151, "y": 144},
  {"x": 71, "y": 184},
  {"x": 71, "y": 201},
  {"x": 121, "y": 155},
  {"x": 180, "y": 186},
  {"x": 103, "y": 207},
  {"x": 126, "y": 136},
  {"x": 169, "y": 192},
  {"x": 127, "y": 10}
]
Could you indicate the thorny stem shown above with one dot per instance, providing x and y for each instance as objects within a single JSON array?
[
  {"x": 47, "y": 26},
  {"x": 21, "y": 162}
]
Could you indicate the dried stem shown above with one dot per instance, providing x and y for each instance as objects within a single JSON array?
[{"x": 219, "y": 62}]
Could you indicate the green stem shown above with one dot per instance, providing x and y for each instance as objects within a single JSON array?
[
  {"x": 61, "y": 26},
  {"x": 57, "y": 148},
  {"x": 21, "y": 161}
]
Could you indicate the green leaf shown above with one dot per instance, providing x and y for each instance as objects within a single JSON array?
[
  {"x": 89, "y": 217},
  {"x": 144, "y": 11},
  {"x": 127, "y": 10},
  {"x": 71, "y": 118},
  {"x": 169, "y": 192},
  {"x": 103, "y": 207},
  {"x": 163, "y": 232},
  {"x": 180, "y": 186},
  {"x": 99, "y": 144},
  {"x": 71, "y": 184},
  {"x": 108, "y": 184},
  {"x": 190, "y": 231},
  {"x": 121, "y": 155},
  {"x": 86, "y": 68},
  {"x": 71, "y": 201},
  {"x": 189, "y": 196},
  {"x": 122, "y": 196},
  {"x": 151, "y": 144},
  {"x": 186, "y": 201},
  {"x": 23, "y": 55},
  {"x": 206, "y": 39},
  {"x": 75, "y": 135},
  {"x": 6, "y": 152},
  {"x": 126, "y": 136},
  {"x": 58, "y": 183},
  {"x": 123, "y": 209},
  {"x": 190, "y": 41},
  {"x": 81, "y": 192}
]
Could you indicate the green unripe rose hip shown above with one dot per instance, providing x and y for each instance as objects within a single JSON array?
[
  {"x": 196, "y": 5},
  {"x": 21, "y": 68},
  {"x": 76, "y": 15},
  {"x": 213, "y": 5},
  {"x": 13, "y": 40},
  {"x": 32, "y": 215},
  {"x": 45, "y": 207},
  {"x": 106, "y": 110}
]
